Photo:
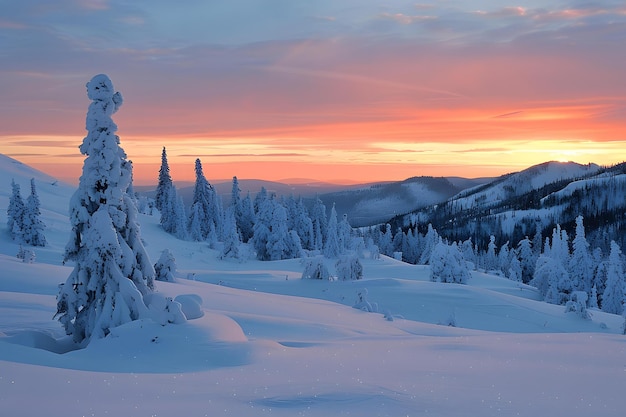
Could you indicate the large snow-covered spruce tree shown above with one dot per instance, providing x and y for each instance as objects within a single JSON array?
[{"x": 112, "y": 271}]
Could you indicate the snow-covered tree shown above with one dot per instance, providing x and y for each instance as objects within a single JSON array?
[
  {"x": 385, "y": 241},
  {"x": 515, "y": 268},
  {"x": 362, "y": 303},
  {"x": 259, "y": 199},
  {"x": 537, "y": 242},
  {"x": 331, "y": 245},
  {"x": 173, "y": 216},
  {"x": 578, "y": 304},
  {"x": 580, "y": 263},
  {"x": 372, "y": 248},
  {"x": 559, "y": 248},
  {"x": 112, "y": 271},
  {"x": 165, "y": 267},
  {"x": 248, "y": 218},
  {"x": 430, "y": 241},
  {"x": 320, "y": 223},
  {"x": 33, "y": 226},
  {"x": 349, "y": 268},
  {"x": 491, "y": 259},
  {"x": 304, "y": 226},
  {"x": 396, "y": 242},
  {"x": 168, "y": 202},
  {"x": 527, "y": 260},
  {"x": 447, "y": 264},
  {"x": 15, "y": 213},
  {"x": 164, "y": 184},
  {"x": 552, "y": 280},
  {"x": 272, "y": 239},
  {"x": 262, "y": 229},
  {"x": 235, "y": 197},
  {"x": 614, "y": 295},
  {"x": 180, "y": 216},
  {"x": 408, "y": 248},
  {"x": 205, "y": 209},
  {"x": 599, "y": 275},
  {"x": 504, "y": 258},
  {"x": 314, "y": 268},
  {"x": 468, "y": 251},
  {"x": 280, "y": 243},
  {"x": 26, "y": 255},
  {"x": 559, "y": 285},
  {"x": 232, "y": 240},
  {"x": 243, "y": 211}
]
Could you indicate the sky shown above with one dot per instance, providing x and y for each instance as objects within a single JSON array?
[{"x": 342, "y": 91}]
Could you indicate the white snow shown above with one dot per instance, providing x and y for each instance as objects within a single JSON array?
[
  {"x": 520, "y": 182},
  {"x": 265, "y": 342}
]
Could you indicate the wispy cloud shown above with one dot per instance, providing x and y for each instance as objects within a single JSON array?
[
  {"x": 509, "y": 114},
  {"x": 359, "y": 82},
  {"x": 406, "y": 19}
]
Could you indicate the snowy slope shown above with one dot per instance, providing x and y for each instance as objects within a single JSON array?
[
  {"x": 270, "y": 343},
  {"x": 522, "y": 182},
  {"x": 580, "y": 185}
]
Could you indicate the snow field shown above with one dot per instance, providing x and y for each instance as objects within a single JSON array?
[{"x": 269, "y": 343}]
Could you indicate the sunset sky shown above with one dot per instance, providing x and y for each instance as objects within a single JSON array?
[{"x": 333, "y": 90}]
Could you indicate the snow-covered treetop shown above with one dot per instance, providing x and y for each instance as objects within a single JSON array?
[
  {"x": 100, "y": 88},
  {"x": 106, "y": 171}
]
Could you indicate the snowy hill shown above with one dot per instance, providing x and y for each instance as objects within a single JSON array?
[
  {"x": 512, "y": 206},
  {"x": 368, "y": 205},
  {"x": 516, "y": 184},
  {"x": 270, "y": 343}
]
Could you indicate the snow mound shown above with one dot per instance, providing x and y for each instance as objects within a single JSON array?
[
  {"x": 191, "y": 305},
  {"x": 141, "y": 346}
]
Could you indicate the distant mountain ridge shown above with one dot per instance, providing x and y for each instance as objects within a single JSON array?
[
  {"x": 509, "y": 206},
  {"x": 375, "y": 203},
  {"x": 514, "y": 205},
  {"x": 364, "y": 204}
]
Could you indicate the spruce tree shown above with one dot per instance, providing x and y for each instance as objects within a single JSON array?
[
  {"x": 243, "y": 212},
  {"x": 491, "y": 259},
  {"x": 164, "y": 185},
  {"x": 248, "y": 219},
  {"x": 205, "y": 216},
  {"x": 331, "y": 246},
  {"x": 262, "y": 229},
  {"x": 232, "y": 240},
  {"x": 33, "y": 226},
  {"x": 165, "y": 267},
  {"x": 430, "y": 241},
  {"x": 580, "y": 263},
  {"x": 385, "y": 241},
  {"x": 614, "y": 295},
  {"x": 320, "y": 223},
  {"x": 447, "y": 264},
  {"x": 527, "y": 259},
  {"x": 15, "y": 213},
  {"x": 280, "y": 243},
  {"x": 112, "y": 271},
  {"x": 304, "y": 226},
  {"x": 173, "y": 217}
]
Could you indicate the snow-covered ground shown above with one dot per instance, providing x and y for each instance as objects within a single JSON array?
[{"x": 270, "y": 343}]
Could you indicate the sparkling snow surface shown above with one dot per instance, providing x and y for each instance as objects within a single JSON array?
[{"x": 270, "y": 343}]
